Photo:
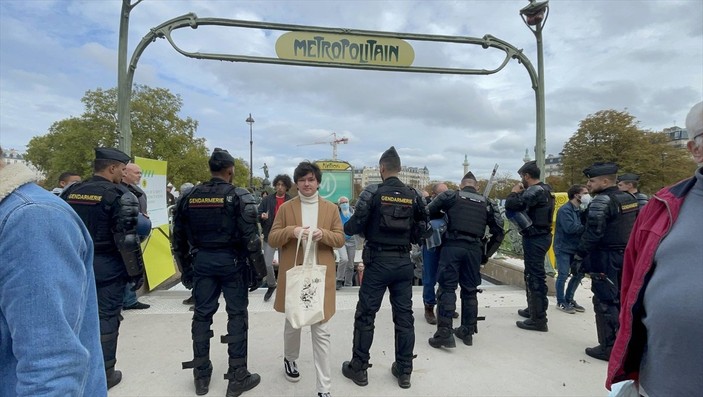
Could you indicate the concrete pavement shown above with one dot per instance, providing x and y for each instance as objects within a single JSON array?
[{"x": 504, "y": 361}]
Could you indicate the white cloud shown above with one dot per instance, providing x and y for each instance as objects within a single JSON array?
[{"x": 643, "y": 56}]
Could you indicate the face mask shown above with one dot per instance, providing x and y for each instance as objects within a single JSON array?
[
  {"x": 344, "y": 207},
  {"x": 585, "y": 200}
]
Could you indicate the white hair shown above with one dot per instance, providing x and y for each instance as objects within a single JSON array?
[{"x": 694, "y": 124}]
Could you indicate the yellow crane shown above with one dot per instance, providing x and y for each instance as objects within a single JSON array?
[{"x": 334, "y": 142}]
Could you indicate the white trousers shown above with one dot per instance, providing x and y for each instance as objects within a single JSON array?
[{"x": 320, "y": 351}]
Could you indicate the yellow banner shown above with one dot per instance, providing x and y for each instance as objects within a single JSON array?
[
  {"x": 333, "y": 165},
  {"x": 560, "y": 199},
  {"x": 158, "y": 260},
  {"x": 156, "y": 249},
  {"x": 348, "y": 49}
]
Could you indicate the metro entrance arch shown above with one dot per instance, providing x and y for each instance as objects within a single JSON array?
[{"x": 317, "y": 51}]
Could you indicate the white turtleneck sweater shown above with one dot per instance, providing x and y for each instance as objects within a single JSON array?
[{"x": 309, "y": 207}]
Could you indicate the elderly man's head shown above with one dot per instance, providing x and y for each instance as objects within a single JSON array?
[
  {"x": 132, "y": 174},
  {"x": 694, "y": 126}
]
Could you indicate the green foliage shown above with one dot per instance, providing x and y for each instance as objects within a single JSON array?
[
  {"x": 502, "y": 186},
  {"x": 157, "y": 133},
  {"x": 615, "y": 136}
]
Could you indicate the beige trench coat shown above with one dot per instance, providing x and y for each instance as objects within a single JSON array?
[{"x": 289, "y": 217}]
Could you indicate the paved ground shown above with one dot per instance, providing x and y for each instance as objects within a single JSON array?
[{"x": 504, "y": 361}]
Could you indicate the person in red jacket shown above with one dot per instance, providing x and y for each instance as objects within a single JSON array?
[{"x": 658, "y": 344}]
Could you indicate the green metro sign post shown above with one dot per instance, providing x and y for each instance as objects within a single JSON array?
[{"x": 334, "y": 48}]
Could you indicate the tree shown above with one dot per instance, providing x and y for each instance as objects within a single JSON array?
[
  {"x": 502, "y": 186},
  {"x": 158, "y": 133},
  {"x": 615, "y": 136}
]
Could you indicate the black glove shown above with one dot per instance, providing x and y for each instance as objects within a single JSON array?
[
  {"x": 187, "y": 279},
  {"x": 484, "y": 259},
  {"x": 576, "y": 264},
  {"x": 138, "y": 282}
]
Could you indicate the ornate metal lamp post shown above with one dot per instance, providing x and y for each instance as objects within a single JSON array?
[
  {"x": 535, "y": 16},
  {"x": 250, "y": 121}
]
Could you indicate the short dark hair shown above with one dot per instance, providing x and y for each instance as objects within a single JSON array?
[
  {"x": 283, "y": 178},
  {"x": 65, "y": 175},
  {"x": 392, "y": 163},
  {"x": 574, "y": 190},
  {"x": 306, "y": 167},
  {"x": 530, "y": 168},
  {"x": 102, "y": 164},
  {"x": 219, "y": 165},
  {"x": 635, "y": 184}
]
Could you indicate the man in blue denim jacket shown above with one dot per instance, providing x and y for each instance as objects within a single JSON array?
[
  {"x": 49, "y": 330},
  {"x": 567, "y": 235}
]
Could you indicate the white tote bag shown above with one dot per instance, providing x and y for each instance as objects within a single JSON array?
[{"x": 305, "y": 288}]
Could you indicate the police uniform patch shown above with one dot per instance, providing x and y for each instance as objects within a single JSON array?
[
  {"x": 84, "y": 199},
  {"x": 206, "y": 202}
]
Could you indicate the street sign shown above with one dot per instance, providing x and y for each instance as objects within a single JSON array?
[
  {"x": 347, "y": 49},
  {"x": 337, "y": 180}
]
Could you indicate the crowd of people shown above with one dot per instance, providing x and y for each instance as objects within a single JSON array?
[{"x": 640, "y": 253}]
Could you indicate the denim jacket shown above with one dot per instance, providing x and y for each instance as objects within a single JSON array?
[
  {"x": 49, "y": 328},
  {"x": 568, "y": 229}
]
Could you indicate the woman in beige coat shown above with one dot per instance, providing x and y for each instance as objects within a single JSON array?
[{"x": 293, "y": 219}]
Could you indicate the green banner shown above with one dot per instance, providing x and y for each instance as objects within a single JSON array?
[{"x": 336, "y": 184}]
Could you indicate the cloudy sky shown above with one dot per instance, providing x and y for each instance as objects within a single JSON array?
[{"x": 645, "y": 57}]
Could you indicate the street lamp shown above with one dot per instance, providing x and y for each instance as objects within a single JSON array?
[
  {"x": 535, "y": 16},
  {"x": 250, "y": 121}
]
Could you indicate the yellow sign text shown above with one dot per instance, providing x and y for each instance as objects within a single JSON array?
[{"x": 349, "y": 49}]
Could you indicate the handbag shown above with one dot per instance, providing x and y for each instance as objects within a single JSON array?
[
  {"x": 305, "y": 288},
  {"x": 626, "y": 388}
]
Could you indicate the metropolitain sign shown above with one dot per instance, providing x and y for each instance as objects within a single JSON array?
[{"x": 347, "y": 49}]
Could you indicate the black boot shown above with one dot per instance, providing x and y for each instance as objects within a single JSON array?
[
  {"x": 113, "y": 377},
  {"x": 469, "y": 317},
  {"x": 531, "y": 325},
  {"x": 606, "y": 327},
  {"x": 524, "y": 312},
  {"x": 538, "y": 317},
  {"x": 444, "y": 336},
  {"x": 537, "y": 304},
  {"x": 465, "y": 334},
  {"x": 201, "y": 379},
  {"x": 403, "y": 378},
  {"x": 240, "y": 380},
  {"x": 356, "y": 371}
]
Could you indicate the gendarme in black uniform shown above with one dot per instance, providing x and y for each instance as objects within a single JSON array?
[
  {"x": 391, "y": 216},
  {"x": 609, "y": 220},
  {"x": 634, "y": 180},
  {"x": 109, "y": 211},
  {"x": 215, "y": 234},
  {"x": 537, "y": 202},
  {"x": 464, "y": 249}
]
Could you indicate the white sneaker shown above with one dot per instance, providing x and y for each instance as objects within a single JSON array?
[
  {"x": 291, "y": 369},
  {"x": 566, "y": 308}
]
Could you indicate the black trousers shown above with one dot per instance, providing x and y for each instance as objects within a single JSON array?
[
  {"x": 396, "y": 275},
  {"x": 216, "y": 273},
  {"x": 605, "y": 268},
  {"x": 534, "y": 251},
  {"x": 110, "y": 296},
  {"x": 457, "y": 266}
]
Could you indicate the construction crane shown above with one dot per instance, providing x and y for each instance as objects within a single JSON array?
[{"x": 334, "y": 142}]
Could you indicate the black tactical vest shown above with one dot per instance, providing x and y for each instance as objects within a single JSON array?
[
  {"x": 468, "y": 215},
  {"x": 391, "y": 221},
  {"x": 93, "y": 201},
  {"x": 624, "y": 208},
  {"x": 210, "y": 209},
  {"x": 541, "y": 214}
]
